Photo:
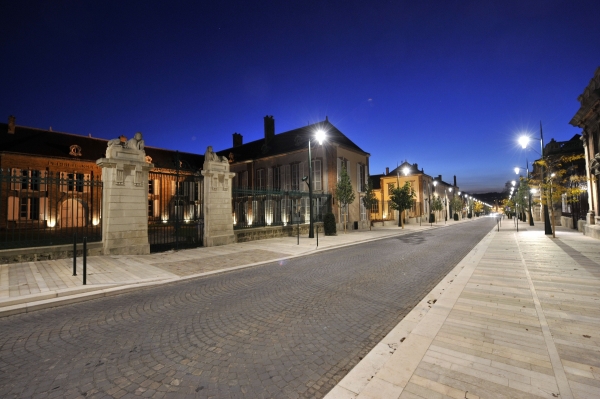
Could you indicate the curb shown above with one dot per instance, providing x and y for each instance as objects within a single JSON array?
[{"x": 33, "y": 302}]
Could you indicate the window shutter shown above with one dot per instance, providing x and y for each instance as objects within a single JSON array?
[
  {"x": 13, "y": 208},
  {"x": 15, "y": 179},
  {"x": 339, "y": 168},
  {"x": 156, "y": 209},
  {"x": 86, "y": 182},
  {"x": 43, "y": 210},
  {"x": 358, "y": 187},
  {"x": 43, "y": 180},
  {"x": 173, "y": 187}
]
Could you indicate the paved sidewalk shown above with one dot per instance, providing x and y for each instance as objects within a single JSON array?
[
  {"x": 519, "y": 317},
  {"x": 30, "y": 286}
]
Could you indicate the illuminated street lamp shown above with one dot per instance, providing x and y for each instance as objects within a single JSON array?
[
  {"x": 524, "y": 141},
  {"x": 320, "y": 137}
]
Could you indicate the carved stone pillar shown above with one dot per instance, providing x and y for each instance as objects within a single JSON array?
[
  {"x": 218, "y": 219},
  {"x": 125, "y": 198}
]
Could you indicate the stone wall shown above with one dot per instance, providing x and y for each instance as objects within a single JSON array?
[
  {"x": 33, "y": 254},
  {"x": 261, "y": 233}
]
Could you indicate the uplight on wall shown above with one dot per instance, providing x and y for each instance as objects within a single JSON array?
[
  {"x": 95, "y": 221},
  {"x": 51, "y": 222}
]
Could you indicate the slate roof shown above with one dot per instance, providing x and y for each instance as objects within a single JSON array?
[
  {"x": 290, "y": 141},
  {"x": 40, "y": 142}
]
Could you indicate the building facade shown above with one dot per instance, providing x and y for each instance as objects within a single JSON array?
[{"x": 588, "y": 118}]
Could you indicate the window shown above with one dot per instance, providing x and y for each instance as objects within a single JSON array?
[
  {"x": 260, "y": 179},
  {"x": 316, "y": 175},
  {"x": 150, "y": 208},
  {"x": 363, "y": 211},
  {"x": 375, "y": 207},
  {"x": 277, "y": 178},
  {"x": 75, "y": 182},
  {"x": 243, "y": 179},
  {"x": 342, "y": 163},
  {"x": 29, "y": 208},
  {"x": 150, "y": 186},
  {"x": 29, "y": 180},
  {"x": 295, "y": 178},
  {"x": 360, "y": 177}
]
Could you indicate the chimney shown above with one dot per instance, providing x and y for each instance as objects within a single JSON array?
[
  {"x": 387, "y": 171},
  {"x": 454, "y": 180},
  {"x": 417, "y": 167},
  {"x": 440, "y": 178},
  {"x": 11, "y": 124},
  {"x": 238, "y": 139},
  {"x": 269, "y": 128}
]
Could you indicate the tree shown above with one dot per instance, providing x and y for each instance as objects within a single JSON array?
[
  {"x": 369, "y": 200},
  {"x": 522, "y": 195},
  {"x": 436, "y": 205},
  {"x": 560, "y": 179},
  {"x": 402, "y": 198},
  {"x": 457, "y": 205},
  {"x": 507, "y": 206},
  {"x": 344, "y": 193},
  {"x": 477, "y": 207}
]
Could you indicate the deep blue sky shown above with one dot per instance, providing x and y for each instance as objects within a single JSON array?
[{"x": 446, "y": 84}]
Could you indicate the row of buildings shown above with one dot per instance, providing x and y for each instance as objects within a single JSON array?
[{"x": 51, "y": 180}]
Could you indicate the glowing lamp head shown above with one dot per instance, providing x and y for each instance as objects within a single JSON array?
[
  {"x": 405, "y": 170},
  {"x": 320, "y": 136},
  {"x": 513, "y": 182},
  {"x": 524, "y": 140},
  {"x": 435, "y": 183},
  {"x": 516, "y": 170}
]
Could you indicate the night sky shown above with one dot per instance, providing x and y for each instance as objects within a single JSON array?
[{"x": 446, "y": 84}]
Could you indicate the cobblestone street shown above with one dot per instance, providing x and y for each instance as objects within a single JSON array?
[{"x": 282, "y": 330}]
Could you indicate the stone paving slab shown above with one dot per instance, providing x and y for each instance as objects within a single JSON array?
[{"x": 519, "y": 318}]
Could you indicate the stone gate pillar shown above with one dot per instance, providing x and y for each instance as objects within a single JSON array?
[
  {"x": 125, "y": 197},
  {"x": 218, "y": 219}
]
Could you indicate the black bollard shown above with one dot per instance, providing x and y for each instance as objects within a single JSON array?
[
  {"x": 75, "y": 254},
  {"x": 84, "y": 260},
  {"x": 317, "y": 236}
]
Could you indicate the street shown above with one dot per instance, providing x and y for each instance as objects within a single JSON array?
[{"x": 281, "y": 330}]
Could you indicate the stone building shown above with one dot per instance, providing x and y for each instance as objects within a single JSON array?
[
  {"x": 588, "y": 118},
  {"x": 278, "y": 163},
  {"x": 425, "y": 188}
]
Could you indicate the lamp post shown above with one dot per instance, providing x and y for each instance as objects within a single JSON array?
[
  {"x": 524, "y": 140},
  {"x": 319, "y": 136}
]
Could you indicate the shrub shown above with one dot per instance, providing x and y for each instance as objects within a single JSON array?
[
  {"x": 469, "y": 215},
  {"x": 329, "y": 224}
]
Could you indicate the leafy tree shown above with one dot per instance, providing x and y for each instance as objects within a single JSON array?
[
  {"x": 457, "y": 204},
  {"x": 436, "y": 205},
  {"x": 369, "y": 200},
  {"x": 477, "y": 207},
  {"x": 560, "y": 179},
  {"x": 402, "y": 198},
  {"x": 344, "y": 193},
  {"x": 522, "y": 195},
  {"x": 507, "y": 206}
]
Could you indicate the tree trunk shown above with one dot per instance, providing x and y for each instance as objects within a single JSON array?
[{"x": 552, "y": 217}]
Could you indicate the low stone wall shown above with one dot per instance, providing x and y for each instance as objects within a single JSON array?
[
  {"x": 261, "y": 233},
  {"x": 567, "y": 222},
  {"x": 592, "y": 231},
  {"x": 20, "y": 255}
]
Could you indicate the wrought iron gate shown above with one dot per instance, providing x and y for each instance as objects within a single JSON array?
[{"x": 175, "y": 218}]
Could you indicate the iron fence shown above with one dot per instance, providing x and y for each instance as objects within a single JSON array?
[
  {"x": 260, "y": 208},
  {"x": 41, "y": 208},
  {"x": 175, "y": 218}
]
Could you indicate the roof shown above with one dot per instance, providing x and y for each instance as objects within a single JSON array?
[
  {"x": 290, "y": 141},
  {"x": 48, "y": 143}
]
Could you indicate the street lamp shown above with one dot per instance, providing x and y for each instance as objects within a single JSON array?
[
  {"x": 524, "y": 141},
  {"x": 319, "y": 136}
]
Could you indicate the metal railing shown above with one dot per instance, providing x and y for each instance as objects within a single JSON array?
[
  {"x": 260, "y": 208},
  {"x": 175, "y": 218},
  {"x": 41, "y": 208}
]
